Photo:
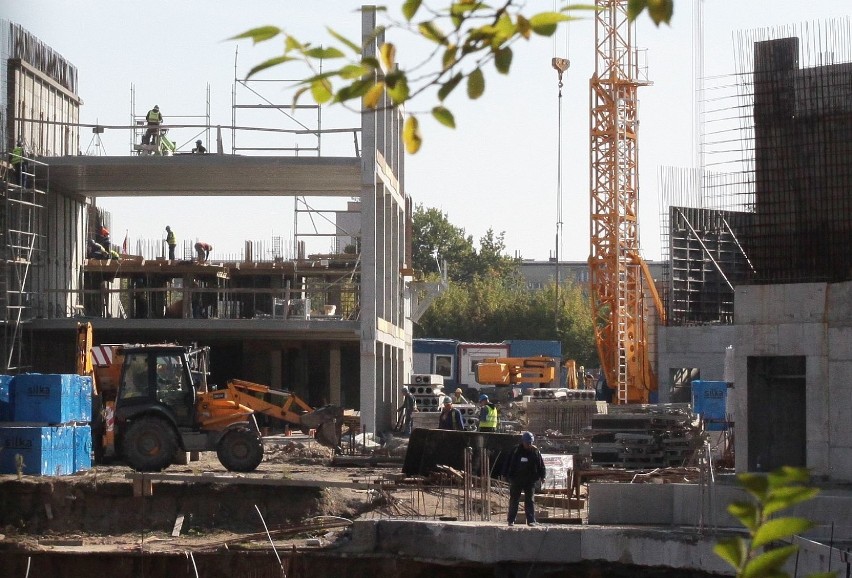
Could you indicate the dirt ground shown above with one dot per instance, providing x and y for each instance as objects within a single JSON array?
[{"x": 98, "y": 509}]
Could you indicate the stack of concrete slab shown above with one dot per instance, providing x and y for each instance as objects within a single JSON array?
[
  {"x": 567, "y": 411},
  {"x": 428, "y": 391},
  {"x": 645, "y": 437}
]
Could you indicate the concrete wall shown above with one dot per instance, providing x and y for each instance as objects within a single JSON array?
[
  {"x": 691, "y": 505},
  {"x": 494, "y": 543},
  {"x": 813, "y": 320},
  {"x": 701, "y": 347},
  {"x": 385, "y": 331}
]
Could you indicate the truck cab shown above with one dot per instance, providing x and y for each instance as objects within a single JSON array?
[
  {"x": 156, "y": 412},
  {"x": 156, "y": 379}
]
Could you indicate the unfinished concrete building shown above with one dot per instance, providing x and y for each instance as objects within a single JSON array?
[
  {"x": 332, "y": 327},
  {"x": 758, "y": 253}
]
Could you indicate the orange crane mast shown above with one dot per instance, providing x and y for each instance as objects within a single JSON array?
[{"x": 618, "y": 275}]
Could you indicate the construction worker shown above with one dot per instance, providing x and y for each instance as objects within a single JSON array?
[
  {"x": 102, "y": 237},
  {"x": 458, "y": 397},
  {"x": 154, "y": 119},
  {"x": 19, "y": 164},
  {"x": 96, "y": 251},
  {"x": 171, "y": 241},
  {"x": 409, "y": 406},
  {"x": 199, "y": 148},
  {"x": 450, "y": 417},
  {"x": 202, "y": 251},
  {"x": 487, "y": 415},
  {"x": 523, "y": 470}
]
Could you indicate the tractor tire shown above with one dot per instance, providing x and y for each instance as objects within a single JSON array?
[
  {"x": 240, "y": 450},
  {"x": 149, "y": 444}
]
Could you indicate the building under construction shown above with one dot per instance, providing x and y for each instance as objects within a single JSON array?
[
  {"x": 329, "y": 325},
  {"x": 757, "y": 249},
  {"x": 758, "y": 271}
]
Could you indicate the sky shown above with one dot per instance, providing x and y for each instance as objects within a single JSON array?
[{"x": 499, "y": 169}]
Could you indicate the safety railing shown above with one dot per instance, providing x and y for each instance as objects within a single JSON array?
[{"x": 123, "y": 299}]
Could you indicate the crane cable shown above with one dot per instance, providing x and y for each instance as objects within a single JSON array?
[{"x": 560, "y": 65}]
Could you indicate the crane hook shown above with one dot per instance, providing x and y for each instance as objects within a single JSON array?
[{"x": 560, "y": 65}]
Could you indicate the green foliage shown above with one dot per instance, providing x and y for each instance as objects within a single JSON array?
[
  {"x": 436, "y": 241},
  {"x": 659, "y": 10},
  {"x": 469, "y": 37},
  {"x": 756, "y": 557},
  {"x": 493, "y": 309},
  {"x": 487, "y": 299}
]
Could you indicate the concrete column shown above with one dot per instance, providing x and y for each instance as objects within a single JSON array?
[
  {"x": 275, "y": 369},
  {"x": 369, "y": 346},
  {"x": 334, "y": 382}
]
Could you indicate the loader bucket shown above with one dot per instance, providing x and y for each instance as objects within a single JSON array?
[{"x": 327, "y": 422}]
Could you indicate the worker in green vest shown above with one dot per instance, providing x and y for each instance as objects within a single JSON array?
[
  {"x": 154, "y": 120},
  {"x": 487, "y": 415},
  {"x": 19, "y": 165},
  {"x": 171, "y": 241}
]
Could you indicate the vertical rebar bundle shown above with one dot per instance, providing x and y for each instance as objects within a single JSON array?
[{"x": 776, "y": 181}]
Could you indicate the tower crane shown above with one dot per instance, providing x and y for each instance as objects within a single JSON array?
[{"x": 619, "y": 276}]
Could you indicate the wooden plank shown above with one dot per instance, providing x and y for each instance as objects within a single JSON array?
[
  {"x": 209, "y": 478},
  {"x": 178, "y": 526}
]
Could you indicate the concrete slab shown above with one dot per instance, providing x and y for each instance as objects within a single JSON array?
[
  {"x": 840, "y": 343},
  {"x": 801, "y": 338},
  {"x": 839, "y": 422},
  {"x": 205, "y": 175},
  {"x": 838, "y": 308},
  {"x": 840, "y": 466},
  {"x": 801, "y": 303},
  {"x": 491, "y": 543},
  {"x": 633, "y": 504}
]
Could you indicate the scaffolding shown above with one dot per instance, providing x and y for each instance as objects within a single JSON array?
[
  {"x": 247, "y": 96},
  {"x": 777, "y": 173},
  {"x": 21, "y": 220},
  {"x": 190, "y": 121}
]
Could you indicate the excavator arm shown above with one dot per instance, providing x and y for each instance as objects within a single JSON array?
[{"x": 285, "y": 406}]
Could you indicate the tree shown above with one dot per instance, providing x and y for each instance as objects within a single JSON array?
[
  {"x": 437, "y": 241},
  {"x": 466, "y": 37},
  {"x": 488, "y": 300},
  {"x": 491, "y": 309}
]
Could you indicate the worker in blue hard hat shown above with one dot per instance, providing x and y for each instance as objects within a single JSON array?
[
  {"x": 487, "y": 415},
  {"x": 524, "y": 469}
]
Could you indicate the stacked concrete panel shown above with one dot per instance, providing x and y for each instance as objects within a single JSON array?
[
  {"x": 567, "y": 416},
  {"x": 644, "y": 437}
]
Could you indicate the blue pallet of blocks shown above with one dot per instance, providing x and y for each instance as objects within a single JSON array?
[
  {"x": 84, "y": 392},
  {"x": 5, "y": 400},
  {"x": 82, "y": 448},
  {"x": 51, "y": 398},
  {"x": 709, "y": 400},
  {"x": 43, "y": 450}
]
